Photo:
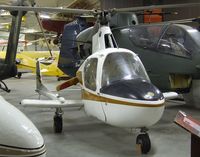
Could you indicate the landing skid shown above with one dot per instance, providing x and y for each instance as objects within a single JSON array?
[
  {"x": 4, "y": 87},
  {"x": 144, "y": 141}
]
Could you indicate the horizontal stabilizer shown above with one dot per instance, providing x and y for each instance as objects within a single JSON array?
[
  {"x": 68, "y": 83},
  {"x": 50, "y": 103},
  {"x": 170, "y": 95}
]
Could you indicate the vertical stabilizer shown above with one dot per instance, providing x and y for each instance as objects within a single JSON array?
[{"x": 40, "y": 88}]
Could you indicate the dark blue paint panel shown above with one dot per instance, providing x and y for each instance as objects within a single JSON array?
[
  {"x": 69, "y": 58},
  {"x": 136, "y": 89}
]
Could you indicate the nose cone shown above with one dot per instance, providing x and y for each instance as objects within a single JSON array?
[
  {"x": 138, "y": 89},
  {"x": 16, "y": 129}
]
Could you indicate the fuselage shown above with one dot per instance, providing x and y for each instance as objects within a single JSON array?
[
  {"x": 18, "y": 135},
  {"x": 116, "y": 93}
]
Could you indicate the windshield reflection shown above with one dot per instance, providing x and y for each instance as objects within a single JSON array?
[{"x": 122, "y": 66}]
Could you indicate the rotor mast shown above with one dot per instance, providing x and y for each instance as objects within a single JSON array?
[{"x": 103, "y": 38}]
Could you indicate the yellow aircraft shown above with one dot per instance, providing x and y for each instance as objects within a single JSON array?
[{"x": 26, "y": 62}]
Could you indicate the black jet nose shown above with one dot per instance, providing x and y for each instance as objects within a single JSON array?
[{"x": 138, "y": 89}]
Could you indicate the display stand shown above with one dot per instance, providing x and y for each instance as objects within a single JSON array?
[{"x": 193, "y": 126}]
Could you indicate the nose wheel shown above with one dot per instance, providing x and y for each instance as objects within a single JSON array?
[
  {"x": 144, "y": 141},
  {"x": 58, "y": 121}
]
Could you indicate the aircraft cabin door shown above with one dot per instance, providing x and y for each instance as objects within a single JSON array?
[{"x": 91, "y": 98}]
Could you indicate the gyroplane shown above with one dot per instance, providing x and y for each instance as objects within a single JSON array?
[{"x": 115, "y": 86}]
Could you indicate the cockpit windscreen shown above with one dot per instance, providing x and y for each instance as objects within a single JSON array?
[{"x": 122, "y": 66}]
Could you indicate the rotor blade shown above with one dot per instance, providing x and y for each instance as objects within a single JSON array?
[
  {"x": 47, "y": 9},
  {"x": 181, "y": 21},
  {"x": 161, "y": 13},
  {"x": 173, "y": 21},
  {"x": 132, "y": 9}
]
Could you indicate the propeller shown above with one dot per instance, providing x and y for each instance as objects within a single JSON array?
[{"x": 68, "y": 83}]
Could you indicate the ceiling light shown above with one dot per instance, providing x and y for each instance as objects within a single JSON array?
[{"x": 44, "y": 16}]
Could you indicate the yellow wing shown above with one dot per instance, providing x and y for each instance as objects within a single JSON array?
[{"x": 27, "y": 62}]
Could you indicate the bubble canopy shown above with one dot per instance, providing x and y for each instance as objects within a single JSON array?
[{"x": 122, "y": 66}]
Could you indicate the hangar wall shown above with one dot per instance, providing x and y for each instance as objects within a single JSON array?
[{"x": 107, "y": 4}]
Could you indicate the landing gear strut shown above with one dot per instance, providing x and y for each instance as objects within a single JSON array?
[
  {"x": 144, "y": 141},
  {"x": 19, "y": 75},
  {"x": 58, "y": 121},
  {"x": 4, "y": 87}
]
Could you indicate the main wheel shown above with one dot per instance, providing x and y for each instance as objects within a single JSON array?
[
  {"x": 144, "y": 141},
  {"x": 58, "y": 123}
]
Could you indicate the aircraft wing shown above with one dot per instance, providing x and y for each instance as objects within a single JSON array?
[
  {"x": 55, "y": 101},
  {"x": 170, "y": 95},
  {"x": 51, "y": 103}
]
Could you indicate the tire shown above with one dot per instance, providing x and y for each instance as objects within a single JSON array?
[
  {"x": 58, "y": 124},
  {"x": 144, "y": 141}
]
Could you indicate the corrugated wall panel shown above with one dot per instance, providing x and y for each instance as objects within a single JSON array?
[{"x": 106, "y": 4}]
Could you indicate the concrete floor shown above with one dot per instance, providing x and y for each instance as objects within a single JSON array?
[{"x": 87, "y": 136}]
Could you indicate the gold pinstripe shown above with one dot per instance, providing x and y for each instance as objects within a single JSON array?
[
  {"x": 89, "y": 96},
  {"x": 11, "y": 151}
]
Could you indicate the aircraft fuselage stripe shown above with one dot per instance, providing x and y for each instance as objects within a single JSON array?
[
  {"x": 89, "y": 96},
  {"x": 7, "y": 151}
]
